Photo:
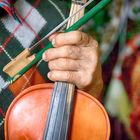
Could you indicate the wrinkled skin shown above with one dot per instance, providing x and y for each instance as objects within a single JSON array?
[{"x": 75, "y": 59}]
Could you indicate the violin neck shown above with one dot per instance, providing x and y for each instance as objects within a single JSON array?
[
  {"x": 62, "y": 97},
  {"x": 59, "y": 112},
  {"x": 76, "y": 5}
]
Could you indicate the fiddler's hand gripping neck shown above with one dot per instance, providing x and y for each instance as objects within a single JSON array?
[{"x": 23, "y": 57}]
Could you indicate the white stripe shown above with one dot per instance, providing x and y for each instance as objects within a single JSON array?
[
  {"x": 58, "y": 9},
  {"x": 24, "y": 35},
  {"x": 2, "y": 122},
  {"x": 2, "y": 82},
  {"x": 8, "y": 55}
]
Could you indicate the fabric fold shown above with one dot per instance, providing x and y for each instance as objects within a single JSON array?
[{"x": 8, "y": 6}]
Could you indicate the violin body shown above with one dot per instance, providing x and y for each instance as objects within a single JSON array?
[{"x": 26, "y": 116}]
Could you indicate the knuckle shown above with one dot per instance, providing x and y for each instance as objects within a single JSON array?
[
  {"x": 94, "y": 57},
  {"x": 95, "y": 43},
  {"x": 78, "y": 36},
  {"x": 69, "y": 76},
  {"x": 87, "y": 81},
  {"x": 69, "y": 51},
  {"x": 79, "y": 50},
  {"x": 86, "y": 38},
  {"x": 93, "y": 54},
  {"x": 55, "y": 42},
  {"x": 64, "y": 61},
  {"x": 45, "y": 55},
  {"x": 92, "y": 69},
  {"x": 58, "y": 39},
  {"x": 80, "y": 65},
  {"x": 73, "y": 51},
  {"x": 50, "y": 75},
  {"x": 50, "y": 65}
]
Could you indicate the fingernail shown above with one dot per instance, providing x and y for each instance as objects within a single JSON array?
[
  {"x": 44, "y": 57},
  {"x": 53, "y": 41},
  {"x": 49, "y": 75}
]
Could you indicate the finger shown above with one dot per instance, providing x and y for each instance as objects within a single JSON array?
[
  {"x": 71, "y": 77},
  {"x": 54, "y": 34},
  {"x": 65, "y": 76},
  {"x": 31, "y": 58},
  {"x": 64, "y": 64},
  {"x": 71, "y": 38},
  {"x": 71, "y": 52},
  {"x": 92, "y": 43}
]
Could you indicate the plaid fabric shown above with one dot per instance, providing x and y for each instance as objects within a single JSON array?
[{"x": 38, "y": 17}]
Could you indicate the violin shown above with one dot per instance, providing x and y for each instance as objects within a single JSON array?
[
  {"x": 56, "y": 112},
  {"x": 26, "y": 116}
]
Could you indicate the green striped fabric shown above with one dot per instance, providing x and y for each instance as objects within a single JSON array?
[{"x": 38, "y": 17}]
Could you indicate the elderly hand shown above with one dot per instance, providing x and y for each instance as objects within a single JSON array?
[{"x": 75, "y": 59}]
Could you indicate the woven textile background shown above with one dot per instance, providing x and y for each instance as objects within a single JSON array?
[{"x": 38, "y": 17}]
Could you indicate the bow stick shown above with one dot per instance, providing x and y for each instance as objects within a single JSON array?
[{"x": 75, "y": 26}]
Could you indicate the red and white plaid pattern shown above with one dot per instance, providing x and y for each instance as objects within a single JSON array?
[{"x": 38, "y": 17}]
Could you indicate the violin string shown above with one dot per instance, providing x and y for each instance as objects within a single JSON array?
[
  {"x": 72, "y": 20},
  {"x": 64, "y": 84},
  {"x": 76, "y": 16},
  {"x": 63, "y": 95},
  {"x": 66, "y": 108},
  {"x": 78, "y": 7},
  {"x": 74, "y": 9},
  {"x": 61, "y": 87},
  {"x": 51, "y": 111},
  {"x": 71, "y": 11},
  {"x": 66, "y": 94},
  {"x": 61, "y": 90},
  {"x": 70, "y": 100},
  {"x": 58, "y": 86}
]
